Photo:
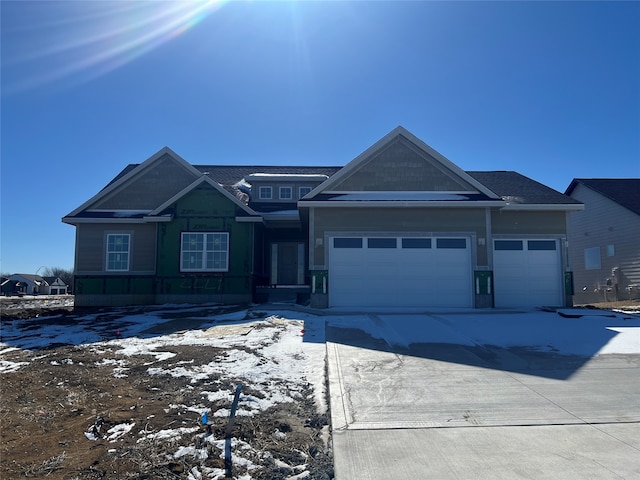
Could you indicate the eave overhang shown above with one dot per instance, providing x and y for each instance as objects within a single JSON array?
[
  {"x": 79, "y": 220},
  {"x": 401, "y": 203},
  {"x": 249, "y": 219},
  {"x": 573, "y": 207}
]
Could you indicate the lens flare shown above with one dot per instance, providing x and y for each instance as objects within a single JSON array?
[{"x": 78, "y": 41}]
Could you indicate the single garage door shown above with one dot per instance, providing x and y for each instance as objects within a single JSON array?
[
  {"x": 403, "y": 271},
  {"x": 527, "y": 273}
]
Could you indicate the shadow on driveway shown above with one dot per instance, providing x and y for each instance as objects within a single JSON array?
[{"x": 523, "y": 359}]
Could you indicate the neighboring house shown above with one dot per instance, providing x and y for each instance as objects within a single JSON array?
[
  {"x": 7, "y": 287},
  {"x": 28, "y": 284},
  {"x": 604, "y": 239},
  {"x": 56, "y": 286},
  {"x": 400, "y": 225}
]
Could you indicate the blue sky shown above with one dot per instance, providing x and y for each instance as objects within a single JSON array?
[{"x": 549, "y": 89}]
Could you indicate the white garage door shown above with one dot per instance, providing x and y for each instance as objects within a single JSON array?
[
  {"x": 411, "y": 271},
  {"x": 527, "y": 273}
]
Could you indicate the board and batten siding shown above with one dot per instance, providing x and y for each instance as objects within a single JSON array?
[
  {"x": 603, "y": 222},
  {"x": 91, "y": 245}
]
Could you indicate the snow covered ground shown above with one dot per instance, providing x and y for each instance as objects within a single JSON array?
[
  {"x": 278, "y": 353},
  {"x": 585, "y": 332}
]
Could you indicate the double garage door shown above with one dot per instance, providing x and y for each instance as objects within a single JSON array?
[
  {"x": 400, "y": 271},
  {"x": 437, "y": 272}
]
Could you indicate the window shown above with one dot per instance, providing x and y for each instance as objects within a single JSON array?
[
  {"x": 416, "y": 243},
  {"x": 592, "y": 258},
  {"x": 508, "y": 245},
  {"x": 286, "y": 193},
  {"x": 302, "y": 191},
  {"x": 118, "y": 252},
  {"x": 611, "y": 251},
  {"x": 451, "y": 243},
  {"x": 381, "y": 243},
  {"x": 205, "y": 252},
  {"x": 347, "y": 243},
  {"x": 541, "y": 245},
  {"x": 265, "y": 193}
]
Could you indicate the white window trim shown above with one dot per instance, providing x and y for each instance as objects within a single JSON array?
[
  {"x": 284, "y": 189},
  {"x": 204, "y": 252},
  {"x": 265, "y": 189},
  {"x": 109, "y": 253},
  {"x": 306, "y": 189}
]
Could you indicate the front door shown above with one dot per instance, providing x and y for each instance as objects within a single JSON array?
[{"x": 287, "y": 263}]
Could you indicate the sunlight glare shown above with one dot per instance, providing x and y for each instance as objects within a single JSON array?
[{"x": 90, "y": 43}]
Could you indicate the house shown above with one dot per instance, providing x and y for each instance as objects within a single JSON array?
[
  {"x": 400, "y": 225},
  {"x": 27, "y": 284},
  {"x": 56, "y": 286},
  {"x": 604, "y": 239}
]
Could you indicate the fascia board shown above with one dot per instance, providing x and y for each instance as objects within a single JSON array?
[
  {"x": 199, "y": 181},
  {"x": 398, "y": 203},
  {"x": 133, "y": 173},
  {"x": 77, "y": 220},
  {"x": 249, "y": 219},
  {"x": 539, "y": 207}
]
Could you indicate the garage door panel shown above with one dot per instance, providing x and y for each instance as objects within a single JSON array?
[
  {"x": 527, "y": 273},
  {"x": 415, "y": 273}
]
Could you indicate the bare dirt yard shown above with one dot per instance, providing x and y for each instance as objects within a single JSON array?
[{"x": 120, "y": 394}]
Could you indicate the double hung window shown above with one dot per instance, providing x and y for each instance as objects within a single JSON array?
[
  {"x": 118, "y": 252},
  {"x": 204, "y": 252}
]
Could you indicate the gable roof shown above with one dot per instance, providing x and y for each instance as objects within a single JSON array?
[
  {"x": 128, "y": 175},
  {"x": 624, "y": 191},
  {"x": 52, "y": 280},
  {"x": 396, "y": 134},
  {"x": 37, "y": 279},
  {"x": 230, "y": 176},
  {"x": 518, "y": 190},
  {"x": 203, "y": 179}
]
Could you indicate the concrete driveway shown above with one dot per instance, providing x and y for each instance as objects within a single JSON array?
[{"x": 445, "y": 411}]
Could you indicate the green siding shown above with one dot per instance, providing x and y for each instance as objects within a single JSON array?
[{"x": 205, "y": 210}]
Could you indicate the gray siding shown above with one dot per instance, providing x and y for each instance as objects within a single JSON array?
[
  {"x": 91, "y": 247},
  {"x": 602, "y": 223},
  {"x": 505, "y": 222},
  {"x": 160, "y": 181},
  {"x": 394, "y": 220},
  {"x": 400, "y": 166}
]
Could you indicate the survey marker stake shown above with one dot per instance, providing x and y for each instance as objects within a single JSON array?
[{"x": 227, "y": 433}]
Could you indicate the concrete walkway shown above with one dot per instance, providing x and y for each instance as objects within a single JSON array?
[{"x": 440, "y": 411}]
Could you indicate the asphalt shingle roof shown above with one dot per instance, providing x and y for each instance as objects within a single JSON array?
[
  {"x": 516, "y": 188},
  {"x": 623, "y": 191},
  {"x": 509, "y": 185}
]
